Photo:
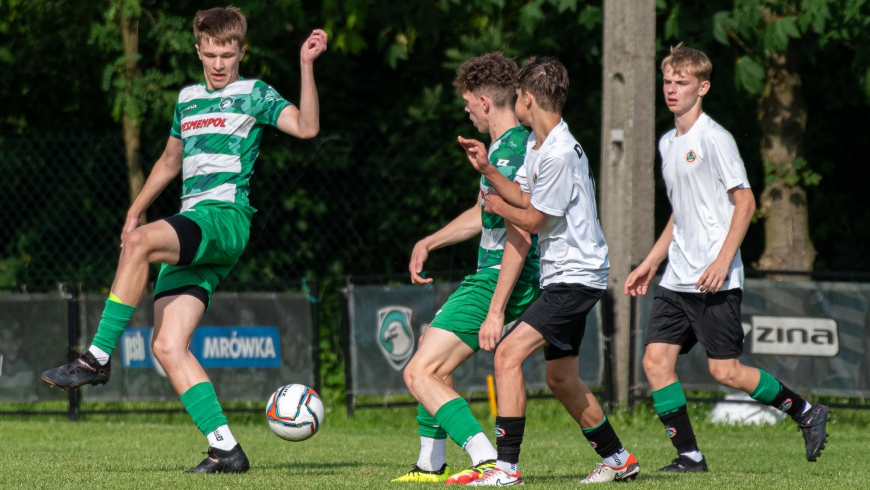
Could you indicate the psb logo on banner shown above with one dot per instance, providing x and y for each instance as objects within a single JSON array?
[
  {"x": 395, "y": 336},
  {"x": 136, "y": 349},
  {"x": 795, "y": 336}
]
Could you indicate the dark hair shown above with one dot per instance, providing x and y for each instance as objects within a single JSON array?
[
  {"x": 546, "y": 79},
  {"x": 491, "y": 74}
]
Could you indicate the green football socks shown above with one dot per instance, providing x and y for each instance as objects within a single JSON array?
[
  {"x": 456, "y": 418},
  {"x": 201, "y": 403},
  {"x": 427, "y": 426},
  {"x": 767, "y": 390},
  {"x": 115, "y": 318}
]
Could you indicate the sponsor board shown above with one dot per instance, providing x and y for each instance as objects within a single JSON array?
[
  {"x": 795, "y": 336},
  {"x": 214, "y": 347},
  {"x": 395, "y": 335}
]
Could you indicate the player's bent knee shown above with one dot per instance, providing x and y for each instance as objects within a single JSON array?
[
  {"x": 725, "y": 375},
  {"x": 166, "y": 350},
  {"x": 656, "y": 366}
]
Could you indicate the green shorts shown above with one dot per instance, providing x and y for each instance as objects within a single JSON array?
[
  {"x": 466, "y": 309},
  {"x": 225, "y": 228}
]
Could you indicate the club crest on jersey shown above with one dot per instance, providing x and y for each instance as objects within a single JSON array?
[
  {"x": 535, "y": 178},
  {"x": 395, "y": 336},
  {"x": 691, "y": 157},
  {"x": 226, "y": 103}
]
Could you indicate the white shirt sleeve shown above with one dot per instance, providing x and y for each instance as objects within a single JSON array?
[
  {"x": 553, "y": 187},
  {"x": 726, "y": 160},
  {"x": 522, "y": 179}
]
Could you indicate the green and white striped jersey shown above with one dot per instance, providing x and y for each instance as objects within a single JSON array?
[
  {"x": 507, "y": 154},
  {"x": 221, "y": 131}
]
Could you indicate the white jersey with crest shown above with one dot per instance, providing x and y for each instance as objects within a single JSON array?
[
  {"x": 699, "y": 168},
  {"x": 561, "y": 185}
]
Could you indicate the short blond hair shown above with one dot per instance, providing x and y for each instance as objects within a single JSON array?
[
  {"x": 220, "y": 26},
  {"x": 684, "y": 60}
]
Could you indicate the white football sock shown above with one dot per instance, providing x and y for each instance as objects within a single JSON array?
[
  {"x": 222, "y": 438},
  {"x": 480, "y": 449},
  {"x": 617, "y": 459},
  {"x": 693, "y": 455},
  {"x": 807, "y": 407},
  {"x": 431, "y": 453},
  {"x": 99, "y": 354},
  {"x": 509, "y": 468}
]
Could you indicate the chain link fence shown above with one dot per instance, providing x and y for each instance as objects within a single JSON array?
[{"x": 338, "y": 205}]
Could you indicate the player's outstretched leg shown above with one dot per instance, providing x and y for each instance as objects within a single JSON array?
[
  {"x": 563, "y": 378},
  {"x": 155, "y": 242},
  {"x": 431, "y": 464},
  {"x": 812, "y": 418}
]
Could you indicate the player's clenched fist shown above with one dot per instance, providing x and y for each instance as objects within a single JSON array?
[{"x": 314, "y": 46}]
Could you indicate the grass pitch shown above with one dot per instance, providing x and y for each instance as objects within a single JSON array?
[{"x": 152, "y": 451}]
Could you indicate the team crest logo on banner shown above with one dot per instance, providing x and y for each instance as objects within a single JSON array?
[
  {"x": 395, "y": 336},
  {"x": 691, "y": 157}
]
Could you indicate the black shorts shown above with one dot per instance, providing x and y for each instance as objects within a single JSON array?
[
  {"x": 688, "y": 318},
  {"x": 559, "y": 315}
]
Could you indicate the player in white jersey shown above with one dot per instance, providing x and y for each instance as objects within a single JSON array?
[
  {"x": 213, "y": 142},
  {"x": 555, "y": 199},
  {"x": 700, "y": 292}
]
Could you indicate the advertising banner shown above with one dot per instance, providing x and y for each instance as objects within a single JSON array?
[
  {"x": 249, "y": 344},
  {"x": 33, "y": 338},
  {"x": 814, "y": 336},
  {"x": 386, "y": 323}
]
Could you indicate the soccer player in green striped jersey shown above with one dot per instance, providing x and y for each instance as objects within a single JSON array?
[
  {"x": 474, "y": 316},
  {"x": 213, "y": 142}
]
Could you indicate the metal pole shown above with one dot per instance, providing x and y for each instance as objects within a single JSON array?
[
  {"x": 345, "y": 347},
  {"x": 314, "y": 299},
  {"x": 73, "y": 332}
]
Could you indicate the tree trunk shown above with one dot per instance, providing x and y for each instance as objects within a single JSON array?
[
  {"x": 131, "y": 119},
  {"x": 783, "y": 117}
]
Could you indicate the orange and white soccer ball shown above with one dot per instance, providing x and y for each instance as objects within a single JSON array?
[{"x": 294, "y": 412}]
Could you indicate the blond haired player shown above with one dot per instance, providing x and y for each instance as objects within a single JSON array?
[
  {"x": 700, "y": 293},
  {"x": 213, "y": 143}
]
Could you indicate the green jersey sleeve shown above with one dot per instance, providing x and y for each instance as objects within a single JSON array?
[
  {"x": 267, "y": 103},
  {"x": 175, "y": 130}
]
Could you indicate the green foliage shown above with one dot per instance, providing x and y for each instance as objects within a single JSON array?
[
  {"x": 798, "y": 173},
  {"x": 749, "y": 74},
  {"x": 154, "y": 88}
]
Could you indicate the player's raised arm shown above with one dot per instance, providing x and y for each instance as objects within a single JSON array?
[
  {"x": 510, "y": 191},
  {"x": 465, "y": 226},
  {"x": 527, "y": 219},
  {"x": 165, "y": 169},
  {"x": 304, "y": 122}
]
